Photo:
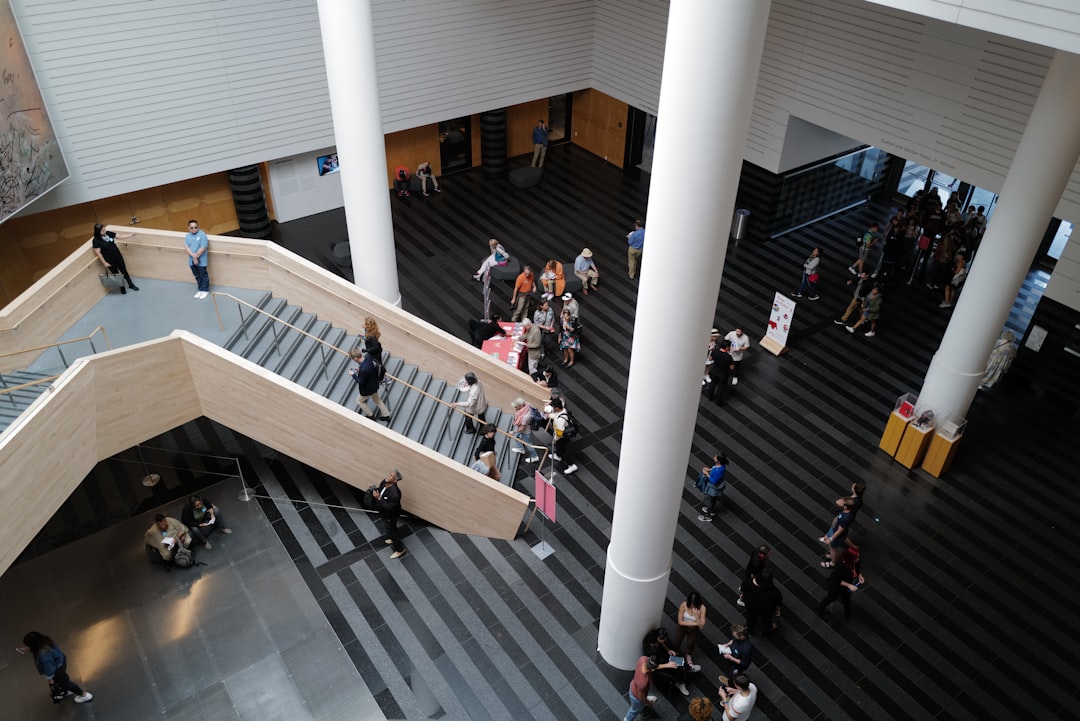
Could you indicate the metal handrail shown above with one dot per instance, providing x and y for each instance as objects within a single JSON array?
[
  {"x": 59, "y": 343},
  {"x": 11, "y": 389},
  {"x": 214, "y": 294}
]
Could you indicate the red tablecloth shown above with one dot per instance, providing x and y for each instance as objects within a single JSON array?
[{"x": 511, "y": 349}]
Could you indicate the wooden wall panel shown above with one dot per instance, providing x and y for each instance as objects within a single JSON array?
[
  {"x": 520, "y": 121},
  {"x": 106, "y": 403},
  {"x": 600, "y": 125},
  {"x": 410, "y": 148}
]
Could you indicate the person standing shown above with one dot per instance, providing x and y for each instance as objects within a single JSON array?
[
  {"x": 712, "y": 484},
  {"x": 837, "y": 535},
  {"x": 759, "y": 559},
  {"x": 104, "y": 245},
  {"x": 485, "y": 451},
  {"x": 534, "y": 344},
  {"x": 585, "y": 269},
  {"x": 51, "y": 663},
  {"x": 720, "y": 371},
  {"x": 1000, "y": 360},
  {"x": 476, "y": 404},
  {"x": 388, "y": 501},
  {"x": 198, "y": 249},
  {"x": 869, "y": 239},
  {"x": 569, "y": 341},
  {"x": 809, "y": 276},
  {"x": 736, "y": 654},
  {"x": 425, "y": 174},
  {"x": 520, "y": 299},
  {"x": 635, "y": 241},
  {"x": 690, "y": 620},
  {"x": 740, "y": 342},
  {"x": 569, "y": 304},
  {"x": 738, "y": 700},
  {"x": 640, "y": 698},
  {"x": 540, "y": 143},
  {"x": 762, "y": 600}
]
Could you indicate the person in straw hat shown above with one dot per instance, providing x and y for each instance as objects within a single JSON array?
[{"x": 585, "y": 268}]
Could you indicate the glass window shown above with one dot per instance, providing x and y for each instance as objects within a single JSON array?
[
  {"x": 1057, "y": 245},
  {"x": 455, "y": 146},
  {"x": 914, "y": 178}
]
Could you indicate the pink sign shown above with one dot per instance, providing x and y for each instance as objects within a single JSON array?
[{"x": 545, "y": 496}]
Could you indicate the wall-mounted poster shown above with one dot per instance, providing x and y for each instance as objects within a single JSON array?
[
  {"x": 31, "y": 163},
  {"x": 328, "y": 164}
]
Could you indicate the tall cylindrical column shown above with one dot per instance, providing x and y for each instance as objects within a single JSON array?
[
  {"x": 349, "y": 51},
  {"x": 250, "y": 202},
  {"x": 1044, "y": 160},
  {"x": 703, "y": 117},
  {"x": 493, "y": 143}
]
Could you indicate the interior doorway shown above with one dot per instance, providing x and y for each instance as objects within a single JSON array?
[{"x": 455, "y": 144}]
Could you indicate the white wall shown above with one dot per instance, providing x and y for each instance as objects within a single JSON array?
[
  {"x": 805, "y": 143},
  {"x": 297, "y": 190}
]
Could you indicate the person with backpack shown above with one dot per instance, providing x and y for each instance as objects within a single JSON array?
[
  {"x": 712, "y": 484},
  {"x": 563, "y": 429},
  {"x": 388, "y": 502},
  {"x": 368, "y": 374},
  {"x": 52, "y": 664},
  {"x": 167, "y": 535}
]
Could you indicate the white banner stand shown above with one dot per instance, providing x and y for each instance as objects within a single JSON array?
[{"x": 780, "y": 317}]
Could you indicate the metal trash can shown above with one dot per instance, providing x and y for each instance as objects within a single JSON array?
[{"x": 739, "y": 224}]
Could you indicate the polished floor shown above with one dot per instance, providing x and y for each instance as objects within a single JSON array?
[{"x": 970, "y": 610}]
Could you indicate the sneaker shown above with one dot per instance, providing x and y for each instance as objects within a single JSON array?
[
  {"x": 572, "y": 468},
  {"x": 398, "y": 554},
  {"x": 734, "y": 381},
  {"x": 705, "y": 379},
  {"x": 796, "y": 295},
  {"x": 851, "y": 269},
  {"x": 408, "y": 194},
  {"x": 695, "y": 667},
  {"x": 838, "y": 321},
  {"x": 226, "y": 530},
  {"x": 651, "y": 699},
  {"x": 437, "y": 190},
  {"x": 532, "y": 459},
  {"x": 740, "y": 602},
  {"x": 682, "y": 688},
  {"x": 123, "y": 290},
  {"x": 87, "y": 696},
  {"x": 207, "y": 546},
  {"x": 944, "y": 305},
  {"x": 813, "y": 297},
  {"x": 873, "y": 275},
  {"x": 134, "y": 287},
  {"x": 476, "y": 277},
  {"x": 400, "y": 194},
  {"x": 704, "y": 382},
  {"x": 198, "y": 295},
  {"x": 202, "y": 294},
  {"x": 556, "y": 457},
  {"x": 388, "y": 542},
  {"x": 849, "y": 329},
  {"x": 705, "y": 518},
  {"x": 517, "y": 450},
  {"x": 869, "y": 334},
  {"x": 426, "y": 194},
  {"x": 384, "y": 418}
]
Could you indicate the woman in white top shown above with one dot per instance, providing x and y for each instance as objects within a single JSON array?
[
  {"x": 691, "y": 620},
  {"x": 739, "y": 700},
  {"x": 809, "y": 276},
  {"x": 497, "y": 255}
]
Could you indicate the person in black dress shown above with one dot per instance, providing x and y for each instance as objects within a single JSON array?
[{"x": 104, "y": 244}]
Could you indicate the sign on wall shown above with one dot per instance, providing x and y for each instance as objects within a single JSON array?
[{"x": 31, "y": 163}]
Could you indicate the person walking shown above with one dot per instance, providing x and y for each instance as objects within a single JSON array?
[
  {"x": 640, "y": 698},
  {"x": 635, "y": 241},
  {"x": 51, "y": 663},
  {"x": 871, "y": 311},
  {"x": 388, "y": 502},
  {"x": 523, "y": 430},
  {"x": 861, "y": 287},
  {"x": 563, "y": 429},
  {"x": 104, "y": 245},
  {"x": 198, "y": 249},
  {"x": 846, "y": 578},
  {"x": 809, "y": 276},
  {"x": 366, "y": 374},
  {"x": 712, "y": 483},
  {"x": 540, "y": 143},
  {"x": 476, "y": 404},
  {"x": 522, "y": 297}
]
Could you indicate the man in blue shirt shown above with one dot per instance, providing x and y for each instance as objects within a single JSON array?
[
  {"x": 585, "y": 268},
  {"x": 540, "y": 143},
  {"x": 198, "y": 246},
  {"x": 635, "y": 239}
]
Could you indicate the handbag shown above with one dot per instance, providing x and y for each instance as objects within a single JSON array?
[
  {"x": 813, "y": 277},
  {"x": 111, "y": 280}
]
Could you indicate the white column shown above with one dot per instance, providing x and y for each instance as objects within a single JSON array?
[
  {"x": 1044, "y": 160},
  {"x": 349, "y": 50},
  {"x": 711, "y": 62}
]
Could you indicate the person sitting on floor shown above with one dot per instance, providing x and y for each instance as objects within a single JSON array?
[
  {"x": 202, "y": 518},
  {"x": 166, "y": 535}
]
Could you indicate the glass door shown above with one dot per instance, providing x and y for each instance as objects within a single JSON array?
[{"x": 455, "y": 144}]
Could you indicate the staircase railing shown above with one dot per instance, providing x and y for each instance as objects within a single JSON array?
[
  {"x": 331, "y": 347},
  {"x": 7, "y": 390}
]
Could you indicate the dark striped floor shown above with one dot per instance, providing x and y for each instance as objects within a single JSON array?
[{"x": 970, "y": 577}]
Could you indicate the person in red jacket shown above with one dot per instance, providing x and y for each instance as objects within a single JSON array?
[{"x": 401, "y": 181}]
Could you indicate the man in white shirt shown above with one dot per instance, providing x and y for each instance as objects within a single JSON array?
[
  {"x": 739, "y": 700},
  {"x": 740, "y": 342}
]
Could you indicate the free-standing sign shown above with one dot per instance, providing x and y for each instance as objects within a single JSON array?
[
  {"x": 780, "y": 317},
  {"x": 545, "y": 496}
]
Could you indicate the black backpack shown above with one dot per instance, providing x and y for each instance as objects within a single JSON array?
[
  {"x": 572, "y": 428},
  {"x": 183, "y": 558},
  {"x": 380, "y": 370}
]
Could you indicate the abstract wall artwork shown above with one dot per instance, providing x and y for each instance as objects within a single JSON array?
[{"x": 31, "y": 163}]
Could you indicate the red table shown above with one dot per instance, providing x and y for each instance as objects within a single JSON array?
[{"x": 510, "y": 349}]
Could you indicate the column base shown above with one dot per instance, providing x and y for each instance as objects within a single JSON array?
[{"x": 629, "y": 609}]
